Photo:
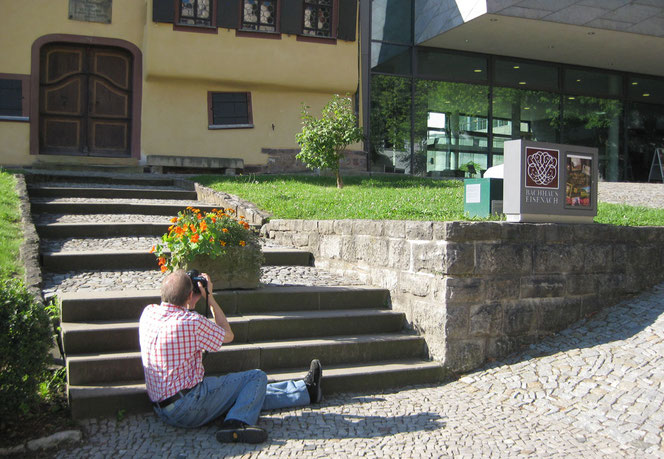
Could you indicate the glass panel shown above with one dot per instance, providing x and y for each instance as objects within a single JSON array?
[
  {"x": 259, "y": 15},
  {"x": 390, "y": 58},
  {"x": 594, "y": 122},
  {"x": 451, "y": 126},
  {"x": 646, "y": 90},
  {"x": 390, "y": 123},
  {"x": 597, "y": 83},
  {"x": 317, "y": 18},
  {"x": 195, "y": 12},
  {"x": 433, "y": 63},
  {"x": 391, "y": 21},
  {"x": 525, "y": 75},
  {"x": 645, "y": 133},
  {"x": 523, "y": 114}
]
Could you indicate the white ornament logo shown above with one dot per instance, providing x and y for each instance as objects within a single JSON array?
[{"x": 542, "y": 168}]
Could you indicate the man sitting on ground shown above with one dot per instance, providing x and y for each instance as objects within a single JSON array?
[{"x": 173, "y": 338}]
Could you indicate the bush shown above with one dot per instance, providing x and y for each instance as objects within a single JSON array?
[{"x": 25, "y": 341}]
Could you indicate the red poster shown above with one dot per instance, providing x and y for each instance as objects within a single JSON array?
[{"x": 542, "y": 169}]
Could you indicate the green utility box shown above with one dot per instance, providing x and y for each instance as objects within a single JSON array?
[{"x": 482, "y": 197}]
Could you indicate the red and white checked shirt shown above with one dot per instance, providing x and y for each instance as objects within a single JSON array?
[{"x": 172, "y": 343}]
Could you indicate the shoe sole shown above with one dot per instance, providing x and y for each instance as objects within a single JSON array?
[{"x": 245, "y": 435}]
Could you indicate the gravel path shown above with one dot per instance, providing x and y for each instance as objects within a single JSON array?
[{"x": 634, "y": 194}]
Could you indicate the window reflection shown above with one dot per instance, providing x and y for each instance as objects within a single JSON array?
[
  {"x": 645, "y": 132},
  {"x": 452, "y": 127},
  {"x": 390, "y": 123},
  {"x": 594, "y": 122},
  {"x": 523, "y": 114}
]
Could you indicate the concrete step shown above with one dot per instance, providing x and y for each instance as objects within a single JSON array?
[
  {"x": 128, "y": 305},
  {"x": 130, "y": 396},
  {"x": 103, "y": 176},
  {"x": 108, "y": 260},
  {"x": 108, "y": 367},
  {"x": 82, "y": 230},
  {"x": 110, "y": 193},
  {"x": 86, "y": 337},
  {"x": 80, "y": 208}
]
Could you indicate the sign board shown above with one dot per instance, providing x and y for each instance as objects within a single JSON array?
[
  {"x": 91, "y": 10},
  {"x": 657, "y": 166},
  {"x": 549, "y": 182}
]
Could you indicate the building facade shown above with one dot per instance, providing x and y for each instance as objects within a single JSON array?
[
  {"x": 450, "y": 80},
  {"x": 131, "y": 82}
]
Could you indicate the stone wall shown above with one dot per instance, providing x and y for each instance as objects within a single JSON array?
[
  {"x": 283, "y": 160},
  {"x": 480, "y": 290}
]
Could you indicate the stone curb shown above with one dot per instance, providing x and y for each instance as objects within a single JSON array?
[
  {"x": 29, "y": 251},
  {"x": 51, "y": 441}
]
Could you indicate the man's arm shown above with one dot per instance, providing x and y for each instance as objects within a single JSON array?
[{"x": 217, "y": 313}]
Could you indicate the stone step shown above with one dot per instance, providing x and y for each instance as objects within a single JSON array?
[
  {"x": 53, "y": 177},
  {"x": 59, "y": 262},
  {"x": 101, "y": 337},
  {"x": 130, "y": 396},
  {"x": 81, "y": 230},
  {"x": 92, "y": 368},
  {"x": 128, "y": 305},
  {"x": 110, "y": 193},
  {"x": 79, "y": 208}
]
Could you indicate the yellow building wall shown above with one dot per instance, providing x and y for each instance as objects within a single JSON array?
[{"x": 179, "y": 68}]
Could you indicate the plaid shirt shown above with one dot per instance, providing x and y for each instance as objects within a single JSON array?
[{"x": 172, "y": 343}]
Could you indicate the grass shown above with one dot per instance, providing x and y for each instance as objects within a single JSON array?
[
  {"x": 10, "y": 228},
  {"x": 380, "y": 198}
]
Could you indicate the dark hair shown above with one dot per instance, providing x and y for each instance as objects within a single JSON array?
[{"x": 175, "y": 288}]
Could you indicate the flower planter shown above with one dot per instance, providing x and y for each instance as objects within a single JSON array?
[{"x": 238, "y": 268}]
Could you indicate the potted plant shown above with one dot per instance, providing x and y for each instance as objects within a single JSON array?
[{"x": 217, "y": 243}]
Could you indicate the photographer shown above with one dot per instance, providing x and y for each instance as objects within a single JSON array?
[{"x": 173, "y": 338}]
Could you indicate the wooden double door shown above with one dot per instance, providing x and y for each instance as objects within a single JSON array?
[{"x": 85, "y": 100}]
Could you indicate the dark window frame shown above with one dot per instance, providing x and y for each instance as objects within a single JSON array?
[
  {"x": 334, "y": 25},
  {"x": 250, "y": 116},
  {"x": 25, "y": 97},
  {"x": 201, "y": 28}
]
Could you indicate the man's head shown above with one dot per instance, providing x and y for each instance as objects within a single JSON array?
[{"x": 176, "y": 288}]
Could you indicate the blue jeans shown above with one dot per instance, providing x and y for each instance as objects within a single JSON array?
[{"x": 243, "y": 395}]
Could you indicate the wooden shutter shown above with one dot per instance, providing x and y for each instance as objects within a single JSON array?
[
  {"x": 228, "y": 13},
  {"x": 163, "y": 11},
  {"x": 291, "y": 16},
  {"x": 347, "y": 20}
]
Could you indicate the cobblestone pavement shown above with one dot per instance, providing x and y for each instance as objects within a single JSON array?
[{"x": 594, "y": 390}]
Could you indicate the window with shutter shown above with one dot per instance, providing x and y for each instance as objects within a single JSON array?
[
  {"x": 196, "y": 13},
  {"x": 13, "y": 100},
  {"x": 229, "y": 110},
  {"x": 318, "y": 18}
]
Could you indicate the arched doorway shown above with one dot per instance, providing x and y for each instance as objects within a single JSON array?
[{"x": 88, "y": 97}]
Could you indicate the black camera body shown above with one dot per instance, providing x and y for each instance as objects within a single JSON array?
[{"x": 196, "y": 277}]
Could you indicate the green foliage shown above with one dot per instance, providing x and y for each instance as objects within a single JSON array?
[
  {"x": 194, "y": 233},
  {"x": 623, "y": 215},
  {"x": 25, "y": 340},
  {"x": 323, "y": 140},
  {"x": 10, "y": 229},
  {"x": 379, "y": 198}
]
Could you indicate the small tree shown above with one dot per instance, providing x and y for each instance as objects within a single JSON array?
[{"x": 322, "y": 141}]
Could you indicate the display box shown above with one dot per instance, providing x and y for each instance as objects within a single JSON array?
[{"x": 480, "y": 194}]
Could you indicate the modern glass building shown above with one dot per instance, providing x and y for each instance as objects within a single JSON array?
[{"x": 449, "y": 81}]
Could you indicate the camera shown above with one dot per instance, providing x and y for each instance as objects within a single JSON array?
[{"x": 196, "y": 277}]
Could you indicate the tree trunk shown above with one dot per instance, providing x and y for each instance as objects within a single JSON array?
[{"x": 340, "y": 183}]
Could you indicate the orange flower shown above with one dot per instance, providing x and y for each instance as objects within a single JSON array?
[
  {"x": 242, "y": 243},
  {"x": 203, "y": 226},
  {"x": 241, "y": 217},
  {"x": 246, "y": 225},
  {"x": 153, "y": 249},
  {"x": 223, "y": 243},
  {"x": 199, "y": 216},
  {"x": 162, "y": 261},
  {"x": 225, "y": 230},
  {"x": 164, "y": 269},
  {"x": 212, "y": 240},
  {"x": 214, "y": 220},
  {"x": 179, "y": 230},
  {"x": 171, "y": 228},
  {"x": 174, "y": 220},
  {"x": 193, "y": 228},
  {"x": 195, "y": 238},
  {"x": 231, "y": 211}
]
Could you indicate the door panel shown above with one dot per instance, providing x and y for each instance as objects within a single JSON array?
[{"x": 85, "y": 100}]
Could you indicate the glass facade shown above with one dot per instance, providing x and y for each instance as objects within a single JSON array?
[{"x": 436, "y": 112}]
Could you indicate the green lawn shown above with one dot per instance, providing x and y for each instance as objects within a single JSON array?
[
  {"x": 10, "y": 229},
  {"x": 380, "y": 198}
]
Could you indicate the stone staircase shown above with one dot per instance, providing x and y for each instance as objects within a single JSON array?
[{"x": 95, "y": 239}]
